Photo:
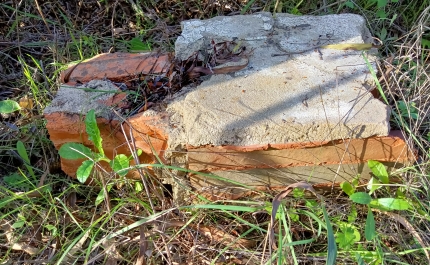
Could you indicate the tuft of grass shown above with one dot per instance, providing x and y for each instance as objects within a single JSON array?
[{"x": 47, "y": 217}]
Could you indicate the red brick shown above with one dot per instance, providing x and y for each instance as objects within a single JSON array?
[
  {"x": 147, "y": 131},
  {"x": 271, "y": 167},
  {"x": 215, "y": 158},
  {"x": 117, "y": 67}
]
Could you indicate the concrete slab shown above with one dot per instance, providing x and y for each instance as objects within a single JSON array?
[{"x": 292, "y": 90}]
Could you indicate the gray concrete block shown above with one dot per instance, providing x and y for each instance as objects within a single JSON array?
[{"x": 292, "y": 89}]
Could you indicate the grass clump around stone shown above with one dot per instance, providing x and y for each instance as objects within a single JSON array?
[{"x": 47, "y": 218}]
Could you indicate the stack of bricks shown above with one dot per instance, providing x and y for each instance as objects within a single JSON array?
[{"x": 233, "y": 126}]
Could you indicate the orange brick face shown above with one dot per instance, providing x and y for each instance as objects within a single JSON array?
[{"x": 65, "y": 128}]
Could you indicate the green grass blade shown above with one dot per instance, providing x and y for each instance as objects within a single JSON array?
[
  {"x": 332, "y": 248},
  {"x": 369, "y": 230},
  {"x": 23, "y": 153},
  {"x": 93, "y": 131}
]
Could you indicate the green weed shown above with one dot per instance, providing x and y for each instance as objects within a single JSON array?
[
  {"x": 120, "y": 164},
  {"x": 9, "y": 106},
  {"x": 349, "y": 235}
]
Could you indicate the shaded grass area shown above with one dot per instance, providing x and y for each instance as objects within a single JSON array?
[{"x": 47, "y": 218}]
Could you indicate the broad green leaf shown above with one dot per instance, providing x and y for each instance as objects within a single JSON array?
[
  {"x": 298, "y": 193},
  {"x": 369, "y": 230},
  {"x": 74, "y": 151},
  {"x": 393, "y": 204},
  {"x": 139, "y": 152},
  {"x": 349, "y": 4},
  {"x": 381, "y": 14},
  {"x": 382, "y": 3},
  {"x": 137, "y": 45},
  {"x": 93, "y": 131},
  {"x": 403, "y": 107},
  {"x": 378, "y": 169},
  {"x": 17, "y": 180},
  {"x": 84, "y": 170},
  {"x": 347, "y": 188},
  {"x": 361, "y": 198},
  {"x": 408, "y": 110},
  {"x": 23, "y": 153},
  {"x": 51, "y": 228},
  {"x": 100, "y": 197},
  {"x": 424, "y": 42},
  {"x": 138, "y": 186},
  {"x": 332, "y": 248},
  {"x": 373, "y": 185},
  {"x": 120, "y": 162},
  {"x": 414, "y": 116},
  {"x": 347, "y": 237},
  {"x": 312, "y": 203},
  {"x": 9, "y": 106},
  {"x": 18, "y": 224},
  {"x": 294, "y": 217}
]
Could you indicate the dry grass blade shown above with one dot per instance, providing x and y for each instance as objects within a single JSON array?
[
  {"x": 112, "y": 253},
  {"x": 277, "y": 202},
  {"x": 132, "y": 147},
  {"x": 142, "y": 247},
  {"x": 409, "y": 227},
  {"x": 7, "y": 228},
  {"x": 36, "y": 193},
  {"x": 406, "y": 79},
  {"x": 215, "y": 234},
  {"x": 42, "y": 16},
  {"x": 74, "y": 249}
]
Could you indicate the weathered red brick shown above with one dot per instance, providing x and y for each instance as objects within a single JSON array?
[
  {"x": 269, "y": 167},
  {"x": 118, "y": 67},
  {"x": 349, "y": 151},
  {"x": 147, "y": 132}
]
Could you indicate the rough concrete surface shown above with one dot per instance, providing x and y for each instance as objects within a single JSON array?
[
  {"x": 291, "y": 90},
  {"x": 80, "y": 100}
]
